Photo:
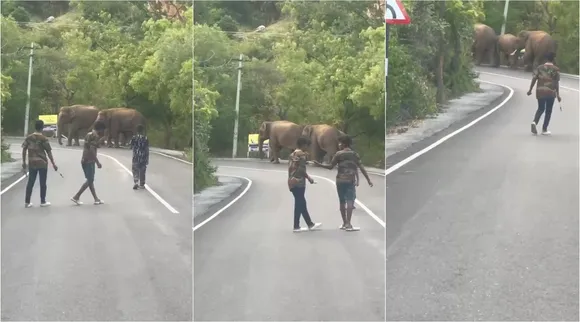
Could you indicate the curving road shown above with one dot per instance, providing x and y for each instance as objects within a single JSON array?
[
  {"x": 129, "y": 259},
  {"x": 250, "y": 266},
  {"x": 485, "y": 226}
]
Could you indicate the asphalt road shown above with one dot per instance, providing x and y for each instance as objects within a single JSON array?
[
  {"x": 485, "y": 226},
  {"x": 250, "y": 266},
  {"x": 129, "y": 259}
]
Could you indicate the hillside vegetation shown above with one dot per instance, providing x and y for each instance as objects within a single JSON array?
[
  {"x": 107, "y": 54},
  {"x": 558, "y": 18},
  {"x": 323, "y": 62}
]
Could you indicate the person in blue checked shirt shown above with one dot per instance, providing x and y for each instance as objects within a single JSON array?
[{"x": 140, "y": 147}]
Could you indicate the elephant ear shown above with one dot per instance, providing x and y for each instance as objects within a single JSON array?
[
  {"x": 307, "y": 130},
  {"x": 265, "y": 127},
  {"x": 71, "y": 112}
]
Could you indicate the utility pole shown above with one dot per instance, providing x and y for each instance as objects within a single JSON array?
[
  {"x": 235, "y": 148},
  {"x": 505, "y": 12},
  {"x": 27, "y": 114}
]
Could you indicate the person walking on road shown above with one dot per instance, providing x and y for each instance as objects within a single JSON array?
[
  {"x": 36, "y": 146},
  {"x": 88, "y": 161},
  {"x": 548, "y": 78},
  {"x": 140, "y": 146},
  {"x": 348, "y": 163},
  {"x": 297, "y": 177}
]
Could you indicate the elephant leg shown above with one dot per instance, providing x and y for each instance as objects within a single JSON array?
[
  {"x": 70, "y": 134},
  {"x": 76, "y": 134},
  {"x": 116, "y": 138},
  {"x": 277, "y": 156}
]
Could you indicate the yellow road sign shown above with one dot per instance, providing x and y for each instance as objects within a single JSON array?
[
  {"x": 253, "y": 139},
  {"x": 49, "y": 119}
]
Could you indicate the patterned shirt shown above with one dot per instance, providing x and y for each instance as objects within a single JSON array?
[
  {"x": 297, "y": 167},
  {"x": 36, "y": 146},
  {"x": 140, "y": 146},
  {"x": 90, "y": 148},
  {"x": 548, "y": 76},
  {"x": 348, "y": 162}
]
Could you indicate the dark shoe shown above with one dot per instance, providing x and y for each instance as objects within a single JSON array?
[
  {"x": 142, "y": 186},
  {"x": 135, "y": 187}
]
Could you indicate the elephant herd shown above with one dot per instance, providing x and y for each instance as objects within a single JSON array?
[
  {"x": 534, "y": 44},
  {"x": 79, "y": 118},
  {"x": 284, "y": 134}
]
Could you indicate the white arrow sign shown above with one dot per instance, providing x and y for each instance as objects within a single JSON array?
[{"x": 395, "y": 13}]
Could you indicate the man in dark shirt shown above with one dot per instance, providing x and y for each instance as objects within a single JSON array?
[
  {"x": 297, "y": 177},
  {"x": 140, "y": 146},
  {"x": 548, "y": 78},
  {"x": 88, "y": 161},
  {"x": 37, "y": 147},
  {"x": 348, "y": 162}
]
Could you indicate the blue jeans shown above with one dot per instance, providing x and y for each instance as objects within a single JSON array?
[
  {"x": 544, "y": 105},
  {"x": 32, "y": 174},
  {"x": 300, "y": 207}
]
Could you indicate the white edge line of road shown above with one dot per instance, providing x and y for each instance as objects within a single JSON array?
[
  {"x": 147, "y": 187},
  {"x": 215, "y": 214},
  {"x": 519, "y": 78},
  {"x": 363, "y": 206},
  {"x": 414, "y": 156}
]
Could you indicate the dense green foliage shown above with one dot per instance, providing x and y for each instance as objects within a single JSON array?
[
  {"x": 107, "y": 54},
  {"x": 314, "y": 63},
  {"x": 558, "y": 18},
  {"x": 4, "y": 95}
]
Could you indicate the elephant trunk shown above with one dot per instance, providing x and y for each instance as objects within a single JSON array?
[
  {"x": 260, "y": 144},
  {"x": 59, "y": 130}
]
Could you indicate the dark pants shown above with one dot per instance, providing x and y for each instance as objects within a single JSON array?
[
  {"x": 32, "y": 174},
  {"x": 300, "y": 207},
  {"x": 544, "y": 105},
  {"x": 139, "y": 173},
  {"x": 89, "y": 170}
]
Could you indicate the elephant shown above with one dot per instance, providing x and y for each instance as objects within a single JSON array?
[
  {"x": 76, "y": 117},
  {"x": 323, "y": 140},
  {"x": 508, "y": 46},
  {"x": 282, "y": 134},
  {"x": 120, "y": 120},
  {"x": 485, "y": 44},
  {"x": 536, "y": 44}
]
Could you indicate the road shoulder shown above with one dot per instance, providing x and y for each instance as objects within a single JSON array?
[
  {"x": 212, "y": 199},
  {"x": 457, "y": 113}
]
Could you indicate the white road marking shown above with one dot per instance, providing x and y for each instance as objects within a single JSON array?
[
  {"x": 12, "y": 185},
  {"x": 519, "y": 78},
  {"x": 147, "y": 187},
  {"x": 215, "y": 214},
  {"x": 363, "y": 206},
  {"x": 402, "y": 163},
  {"x": 172, "y": 157}
]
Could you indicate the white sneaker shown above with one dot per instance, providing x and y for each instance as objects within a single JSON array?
[
  {"x": 78, "y": 202},
  {"x": 534, "y": 129},
  {"x": 99, "y": 202},
  {"x": 315, "y": 226},
  {"x": 546, "y": 133},
  {"x": 45, "y": 204},
  {"x": 27, "y": 205}
]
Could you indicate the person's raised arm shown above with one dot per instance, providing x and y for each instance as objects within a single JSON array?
[{"x": 330, "y": 166}]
